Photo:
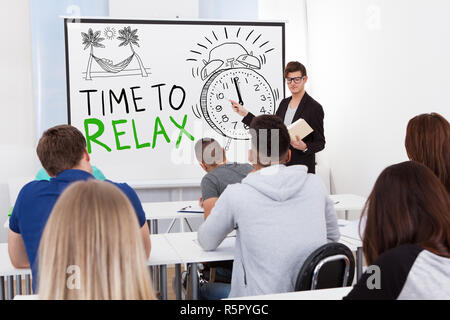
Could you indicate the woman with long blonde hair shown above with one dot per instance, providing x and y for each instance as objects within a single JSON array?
[{"x": 92, "y": 247}]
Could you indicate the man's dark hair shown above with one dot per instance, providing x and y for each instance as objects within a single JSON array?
[
  {"x": 294, "y": 66},
  {"x": 60, "y": 148},
  {"x": 270, "y": 138},
  {"x": 209, "y": 151}
]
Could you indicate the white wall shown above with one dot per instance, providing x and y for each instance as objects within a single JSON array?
[
  {"x": 374, "y": 64},
  {"x": 17, "y": 128},
  {"x": 167, "y": 9},
  {"x": 293, "y": 12}
]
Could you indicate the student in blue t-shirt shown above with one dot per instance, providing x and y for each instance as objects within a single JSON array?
[
  {"x": 43, "y": 175},
  {"x": 62, "y": 152}
]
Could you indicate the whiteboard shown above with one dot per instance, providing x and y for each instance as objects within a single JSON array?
[{"x": 143, "y": 92}]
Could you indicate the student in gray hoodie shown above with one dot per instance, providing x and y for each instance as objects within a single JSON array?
[{"x": 281, "y": 214}]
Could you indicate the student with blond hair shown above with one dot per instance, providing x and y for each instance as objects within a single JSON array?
[
  {"x": 428, "y": 142},
  {"x": 92, "y": 248},
  {"x": 63, "y": 154}
]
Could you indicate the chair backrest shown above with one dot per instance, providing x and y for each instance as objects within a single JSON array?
[{"x": 330, "y": 266}]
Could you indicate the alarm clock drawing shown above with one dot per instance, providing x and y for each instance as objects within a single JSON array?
[
  {"x": 244, "y": 85},
  {"x": 230, "y": 72}
]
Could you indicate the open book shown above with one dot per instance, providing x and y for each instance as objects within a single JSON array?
[{"x": 299, "y": 128}]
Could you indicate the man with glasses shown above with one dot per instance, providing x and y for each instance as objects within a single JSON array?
[{"x": 299, "y": 105}]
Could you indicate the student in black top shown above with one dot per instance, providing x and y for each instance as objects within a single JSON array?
[
  {"x": 407, "y": 236},
  {"x": 299, "y": 105}
]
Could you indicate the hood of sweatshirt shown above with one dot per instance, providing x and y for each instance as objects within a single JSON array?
[{"x": 278, "y": 182}]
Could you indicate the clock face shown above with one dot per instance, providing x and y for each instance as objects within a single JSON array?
[{"x": 239, "y": 84}]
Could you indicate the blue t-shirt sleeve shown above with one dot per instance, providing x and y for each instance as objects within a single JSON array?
[
  {"x": 15, "y": 215},
  {"x": 134, "y": 199},
  {"x": 14, "y": 221}
]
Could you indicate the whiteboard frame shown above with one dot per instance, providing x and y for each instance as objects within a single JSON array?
[{"x": 169, "y": 183}]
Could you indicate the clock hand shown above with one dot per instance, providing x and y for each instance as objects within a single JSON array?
[{"x": 238, "y": 91}]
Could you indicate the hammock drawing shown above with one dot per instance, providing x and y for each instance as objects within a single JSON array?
[{"x": 108, "y": 66}]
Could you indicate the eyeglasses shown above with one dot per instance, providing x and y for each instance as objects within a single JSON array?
[{"x": 296, "y": 79}]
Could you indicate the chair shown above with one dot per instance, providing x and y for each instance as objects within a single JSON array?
[{"x": 330, "y": 266}]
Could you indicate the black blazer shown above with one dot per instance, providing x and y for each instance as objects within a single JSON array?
[{"x": 311, "y": 111}]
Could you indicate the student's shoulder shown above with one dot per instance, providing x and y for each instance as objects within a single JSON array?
[
  {"x": 246, "y": 166},
  {"x": 34, "y": 186},
  {"x": 210, "y": 177},
  {"x": 237, "y": 189},
  {"x": 394, "y": 266},
  {"x": 402, "y": 257},
  {"x": 313, "y": 104},
  {"x": 125, "y": 187}
]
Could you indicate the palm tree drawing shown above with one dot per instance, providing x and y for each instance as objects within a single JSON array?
[
  {"x": 92, "y": 40},
  {"x": 129, "y": 37}
]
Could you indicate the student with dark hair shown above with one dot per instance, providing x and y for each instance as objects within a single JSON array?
[
  {"x": 428, "y": 142},
  {"x": 63, "y": 154},
  {"x": 281, "y": 214},
  {"x": 407, "y": 236},
  {"x": 220, "y": 173},
  {"x": 299, "y": 105}
]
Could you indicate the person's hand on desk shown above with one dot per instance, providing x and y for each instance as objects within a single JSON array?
[
  {"x": 299, "y": 144},
  {"x": 238, "y": 108}
]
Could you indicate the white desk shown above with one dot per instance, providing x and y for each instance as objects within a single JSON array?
[
  {"x": 9, "y": 271},
  {"x": 190, "y": 252},
  {"x": 168, "y": 210},
  {"x": 348, "y": 202},
  {"x": 323, "y": 294},
  {"x": 162, "y": 254}
]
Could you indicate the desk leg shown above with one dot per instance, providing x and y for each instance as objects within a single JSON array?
[
  {"x": 359, "y": 262},
  {"x": 182, "y": 230},
  {"x": 187, "y": 223},
  {"x": 346, "y": 214},
  {"x": 18, "y": 284},
  {"x": 181, "y": 224},
  {"x": 178, "y": 281},
  {"x": 163, "y": 279},
  {"x": 2, "y": 288},
  {"x": 155, "y": 226},
  {"x": 155, "y": 268},
  {"x": 171, "y": 225},
  {"x": 10, "y": 287},
  {"x": 194, "y": 281},
  {"x": 27, "y": 284},
  {"x": 155, "y": 272}
]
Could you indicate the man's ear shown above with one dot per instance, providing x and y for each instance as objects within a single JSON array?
[
  {"x": 306, "y": 79},
  {"x": 288, "y": 156},
  {"x": 224, "y": 155},
  {"x": 86, "y": 155},
  {"x": 250, "y": 156}
]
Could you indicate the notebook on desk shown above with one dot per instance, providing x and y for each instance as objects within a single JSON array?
[{"x": 191, "y": 209}]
